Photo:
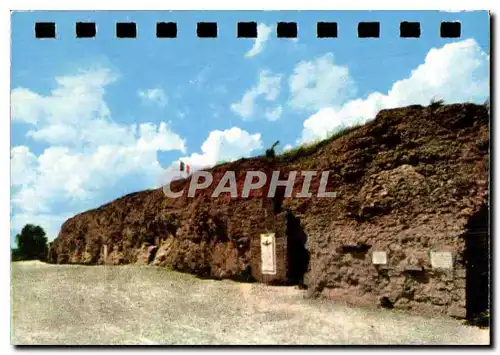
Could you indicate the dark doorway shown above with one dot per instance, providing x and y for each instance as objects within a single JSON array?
[
  {"x": 477, "y": 260},
  {"x": 297, "y": 254},
  {"x": 278, "y": 198}
]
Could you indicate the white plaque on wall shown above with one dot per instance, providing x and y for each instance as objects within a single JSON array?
[
  {"x": 268, "y": 254},
  {"x": 379, "y": 257},
  {"x": 442, "y": 259}
]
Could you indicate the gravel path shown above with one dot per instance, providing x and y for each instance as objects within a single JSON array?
[{"x": 63, "y": 304}]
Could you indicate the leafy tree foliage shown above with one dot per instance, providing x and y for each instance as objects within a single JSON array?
[{"x": 31, "y": 244}]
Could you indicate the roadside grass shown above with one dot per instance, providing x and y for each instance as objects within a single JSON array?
[
  {"x": 306, "y": 148},
  {"x": 311, "y": 147}
]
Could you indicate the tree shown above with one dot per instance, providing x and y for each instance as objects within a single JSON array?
[
  {"x": 31, "y": 243},
  {"x": 14, "y": 255}
]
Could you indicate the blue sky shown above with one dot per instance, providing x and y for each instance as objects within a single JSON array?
[{"x": 93, "y": 119}]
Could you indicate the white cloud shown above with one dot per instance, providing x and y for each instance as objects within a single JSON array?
[
  {"x": 78, "y": 97},
  {"x": 287, "y": 147},
  {"x": 318, "y": 83},
  {"x": 224, "y": 145},
  {"x": 88, "y": 151},
  {"x": 274, "y": 113},
  {"x": 62, "y": 117},
  {"x": 25, "y": 105},
  {"x": 227, "y": 145},
  {"x": 151, "y": 138},
  {"x": 61, "y": 174},
  {"x": 22, "y": 166},
  {"x": 263, "y": 33},
  {"x": 55, "y": 134},
  {"x": 456, "y": 72},
  {"x": 268, "y": 86},
  {"x": 155, "y": 95}
]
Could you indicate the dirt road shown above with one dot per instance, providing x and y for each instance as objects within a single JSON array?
[{"x": 62, "y": 304}]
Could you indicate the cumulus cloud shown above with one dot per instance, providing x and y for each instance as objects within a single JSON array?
[
  {"x": 25, "y": 105},
  {"x": 226, "y": 145},
  {"x": 61, "y": 174},
  {"x": 88, "y": 151},
  {"x": 220, "y": 146},
  {"x": 318, "y": 83},
  {"x": 22, "y": 164},
  {"x": 64, "y": 116},
  {"x": 263, "y": 33},
  {"x": 268, "y": 87},
  {"x": 156, "y": 96},
  {"x": 456, "y": 72},
  {"x": 274, "y": 114}
]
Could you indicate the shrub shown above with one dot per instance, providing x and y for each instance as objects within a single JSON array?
[
  {"x": 270, "y": 153},
  {"x": 435, "y": 103},
  {"x": 31, "y": 244},
  {"x": 310, "y": 147}
]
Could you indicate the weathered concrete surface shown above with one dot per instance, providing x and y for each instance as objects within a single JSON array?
[{"x": 68, "y": 304}]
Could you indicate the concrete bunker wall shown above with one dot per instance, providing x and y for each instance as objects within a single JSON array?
[
  {"x": 392, "y": 284},
  {"x": 424, "y": 269},
  {"x": 291, "y": 256}
]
